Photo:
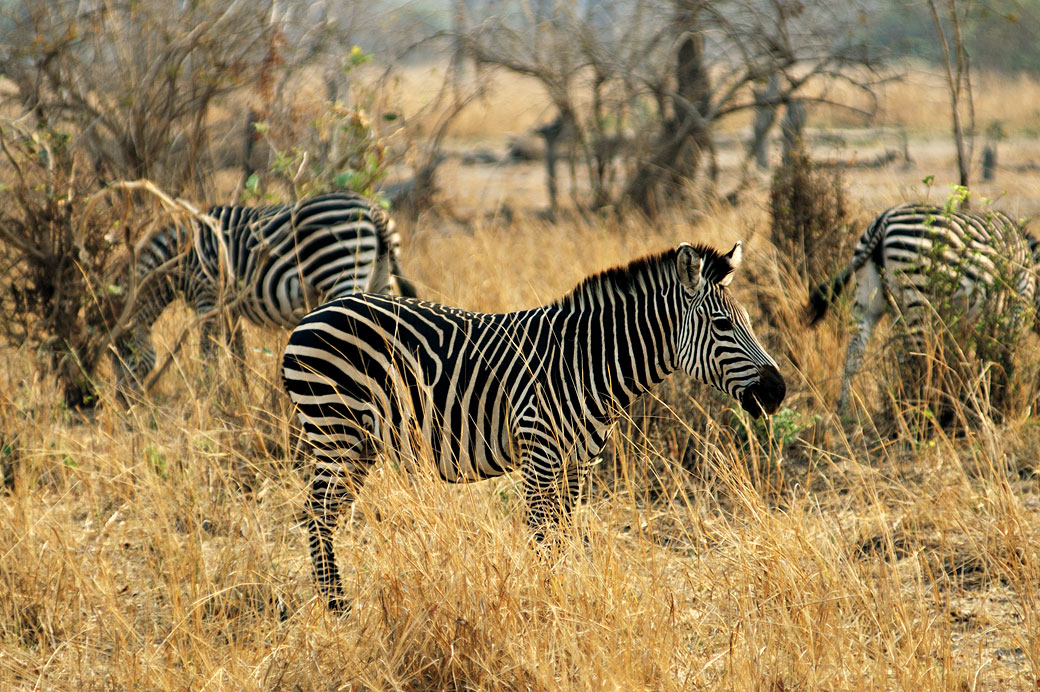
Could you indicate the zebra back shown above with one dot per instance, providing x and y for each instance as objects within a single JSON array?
[
  {"x": 269, "y": 264},
  {"x": 974, "y": 249},
  {"x": 933, "y": 252}
]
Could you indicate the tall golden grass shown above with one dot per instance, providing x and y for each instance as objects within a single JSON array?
[{"x": 161, "y": 548}]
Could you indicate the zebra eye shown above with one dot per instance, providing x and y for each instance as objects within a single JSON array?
[{"x": 723, "y": 324}]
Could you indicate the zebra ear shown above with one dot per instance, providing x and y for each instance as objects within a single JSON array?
[
  {"x": 734, "y": 256},
  {"x": 689, "y": 265}
]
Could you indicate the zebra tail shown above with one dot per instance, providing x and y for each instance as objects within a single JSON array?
[
  {"x": 405, "y": 288},
  {"x": 824, "y": 294}
]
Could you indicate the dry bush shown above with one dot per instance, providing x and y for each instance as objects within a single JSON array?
[
  {"x": 141, "y": 83},
  {"x": 55, "y": 256},
  {"x": 65, "y": 254},
  {"x": 810, "y": 216},
  {"x": 134, "y": 80}
]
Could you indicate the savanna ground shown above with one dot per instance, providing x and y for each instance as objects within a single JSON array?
[{"x": 162, "y": 548}]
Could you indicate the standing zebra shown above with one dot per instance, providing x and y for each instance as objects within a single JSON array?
[
  {"x": 482, "y": 394},
  {"x": 268, "y": 264},
  {"x": 921, "y": 259}
]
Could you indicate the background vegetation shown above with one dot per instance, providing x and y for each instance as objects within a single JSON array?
[{"x": 160, "y": 546}]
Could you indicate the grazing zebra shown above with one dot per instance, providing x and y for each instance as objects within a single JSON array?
[
  {"x": 482, "y": 394},
  {"x": 268, "y": 264},
  {"x": 921, "y": 259}
]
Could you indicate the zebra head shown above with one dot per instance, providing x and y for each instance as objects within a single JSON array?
[{"x": 715, "y": 343}]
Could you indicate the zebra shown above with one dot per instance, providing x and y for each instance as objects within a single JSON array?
[
  {"x": 915, "y": 256},
  {"x": 483, "y": 394},
  {"x": 268, "y": 264}
]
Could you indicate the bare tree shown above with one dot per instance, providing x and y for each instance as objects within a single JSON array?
[
  {"x": 766, "y": 98},
  {"x": 685, "y": 135},
  {"x": 957, "y": 65},
  {"x": 593, "y": 59},
  {"x": 660, "y": 74},
  {"x": 136, "y": 81}
]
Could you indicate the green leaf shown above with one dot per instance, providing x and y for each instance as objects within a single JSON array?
[{"x": 345, "y": 179}]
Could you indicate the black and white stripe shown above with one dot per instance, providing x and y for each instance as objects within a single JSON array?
[
  {"x": 482, "y": 394},
  {"x": 268, "y": 264},
  {"x": 913, "y": 252}
]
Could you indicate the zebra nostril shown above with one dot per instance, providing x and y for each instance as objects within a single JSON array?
[{"x": 766, "y": 395}]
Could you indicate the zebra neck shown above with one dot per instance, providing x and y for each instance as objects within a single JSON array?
[
  {"x": 627, "y": 345},
  {"x": 162, "y": 271},
  {"x": 155, "y": 292}
]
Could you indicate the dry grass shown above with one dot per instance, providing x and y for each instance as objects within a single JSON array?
[
  {"x": 161, "y": 549},
  {"x": 919, "y": 101}
]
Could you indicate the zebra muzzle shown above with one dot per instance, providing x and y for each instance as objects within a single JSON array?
[{"x": 766, "y": 394}]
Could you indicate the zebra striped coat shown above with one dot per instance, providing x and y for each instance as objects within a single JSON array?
[
  {"x": 914, "y": 257},
  {"x": 269, "y": 265},
  {"x": 482, "y": 394}
]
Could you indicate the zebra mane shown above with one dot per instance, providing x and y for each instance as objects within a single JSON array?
[{"x": 646, "y": 272}]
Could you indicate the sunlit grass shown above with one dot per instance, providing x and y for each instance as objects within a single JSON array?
[{"x": 161, "y": 548}]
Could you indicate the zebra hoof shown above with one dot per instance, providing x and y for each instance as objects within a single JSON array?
[{"x": 339, "y": 605}]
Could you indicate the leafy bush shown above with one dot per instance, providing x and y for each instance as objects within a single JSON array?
[
  {"x": 329, "y": 146},
  {"x": 56, "y": 252},
  {"x": 338, "y": 149}
]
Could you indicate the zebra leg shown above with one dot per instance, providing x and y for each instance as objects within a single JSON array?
[
  {"x": 342, "y": 456},
  {"x": 133, "y": 358},
  {"x": 541, "y": 477},
  {"x": 207, "y": 339},
  {"x": 922, "y": 329},
  {"x": 552, "y": 489},
  {"x": 230, "y": 333},
  {"x": 869, "y": 307},
  {"x": 235, "y": 341},
  {"x": 208, "y": 348},
  {"x": 334, "y": 486},
  {"x": 575, "y": 475}
]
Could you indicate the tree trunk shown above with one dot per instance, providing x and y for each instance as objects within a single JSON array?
[
  {"x": 765, "y": 116},
  {"x": 551, "y": 133},
  {"x": 684, "y": 137},
  {"x": 958, "y": 81},
  {"x": 792, "y": 127}
]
